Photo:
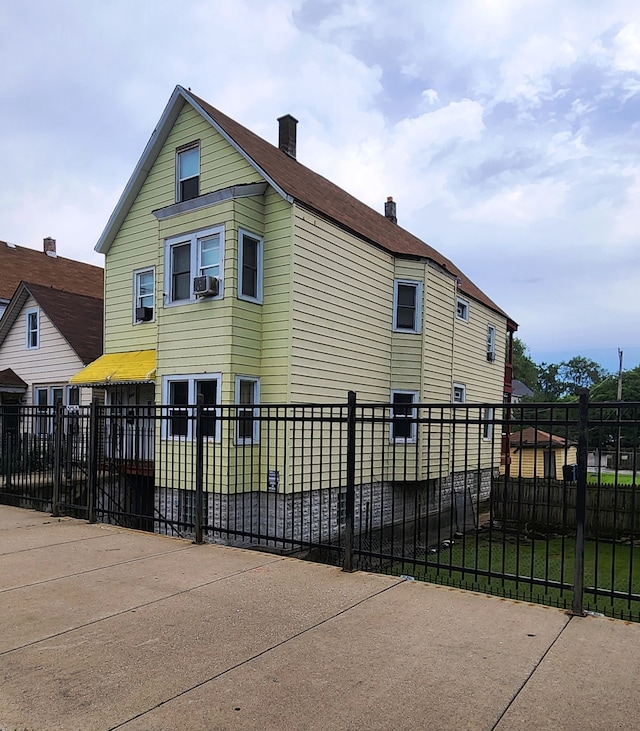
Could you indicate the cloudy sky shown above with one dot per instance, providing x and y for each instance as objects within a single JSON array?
[{"x": 507, "y": 131}]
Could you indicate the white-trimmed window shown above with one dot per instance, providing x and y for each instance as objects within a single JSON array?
[
  {"x": 403, "y": 416},
  {"x": 182, "y": 393},
  {"x": 459, "y": 393},
  {"x": 487, "y": 424},
  {"x": 249, "y": 266},
  {"x": 462, "y": 309},
  {"x": 407, "y": 305},
  {"x": 247, "y": 423},
  {"x": 45, "y": 397},
  {"x": 188, "y": 172},
  {"x": 144, "y": 295},
  {"x": 193, "y": 255},
  {"x": 33, "y": 329},
  {"x": 491, "y": 343}
]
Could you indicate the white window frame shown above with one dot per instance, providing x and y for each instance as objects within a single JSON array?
[
  {"x": 463, "y": 390},
  {"x": 137, "y": 296},
  {"x": 179, "y": 152},
  {"x": 411, "y": 439},
  {"x": 487, "y": 423},
  {"x": 241, "y": 234},
  {"x": 461, "y": 302},
  {"x": 491, "y": 343},
  {"x": 255, "y": 436},
  {"x": 417, "y": 285},
  {"x": 193, "y": 239},
  {"x": 192, "y": 379},
  {"x": 29, "y": 330}
]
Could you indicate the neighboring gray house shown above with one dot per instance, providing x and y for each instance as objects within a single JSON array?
[{"x": 520, "y": 390}]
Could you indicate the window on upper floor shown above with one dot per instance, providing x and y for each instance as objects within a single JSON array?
[
  {"x": 33, "y": 329},
  {"x": 247, "y": 424},
  {"x": 459, "y": 393},
  {"x": 182, "y": 393},
  {"x": 491, "y": 343},
  {"x": 188, "y": 172},
  {"x": 462, "y": 309},
  {"x": 407, "y": 299},
  {"x": 249, "y": 267},
  {"x": 194, "y": 258},
  {"x": 143, "y": 294},
  {"x": 404, "y": 413}
]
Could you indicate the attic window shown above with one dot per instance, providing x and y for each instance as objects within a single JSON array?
[
  {"x": 188, "y": 172},
  {"x": 462, "y": 309},
  {"x": 33, "y": 329}
]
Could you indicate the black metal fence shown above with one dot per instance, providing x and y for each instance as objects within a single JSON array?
[{"x": 491, "y": 497}]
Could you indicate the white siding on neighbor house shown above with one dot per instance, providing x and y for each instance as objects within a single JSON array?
[
  {"x": 51, "y": 364},
  {"x": 342, "y": 309}
]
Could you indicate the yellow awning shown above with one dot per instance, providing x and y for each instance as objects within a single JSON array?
[{"x": 138, "y": 366}]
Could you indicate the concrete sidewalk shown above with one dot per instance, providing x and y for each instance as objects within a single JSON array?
[{"x": 105, "y": 628}]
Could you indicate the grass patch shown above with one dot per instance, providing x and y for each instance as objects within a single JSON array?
[
  {"x": 481, "y": 565},
  {"x": 608, "y": 478}
]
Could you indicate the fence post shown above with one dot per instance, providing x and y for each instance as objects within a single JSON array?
[
  {"x": 581, "y": 503},
  {"x": 58, "y": 429},
  {"x": 92, "y": 486},
  {"x": 351, "y": 482},
  {"x": 199, "y": 468}
]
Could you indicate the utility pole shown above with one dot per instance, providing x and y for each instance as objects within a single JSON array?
[{"x": 618, "y": 445}]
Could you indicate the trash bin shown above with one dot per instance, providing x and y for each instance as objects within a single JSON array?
[{"x": 570, "y": 472}]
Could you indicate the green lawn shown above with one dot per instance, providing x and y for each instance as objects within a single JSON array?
[
  {"x": 607, "y": 566},
  {"x": 607, "y": 478}
]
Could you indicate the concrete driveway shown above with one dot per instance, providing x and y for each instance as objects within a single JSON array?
[{"x": 107, "y": 628}]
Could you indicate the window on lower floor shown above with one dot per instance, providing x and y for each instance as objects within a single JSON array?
[
  {"x": 407, "y": 297},
  {"x": 247, "y": 423},
  {"x": 45, "y": 399},
  {"x": 182, "y": 394},
  {"x": 487, "y": 424},
  {"x": 403, "y": 416}
]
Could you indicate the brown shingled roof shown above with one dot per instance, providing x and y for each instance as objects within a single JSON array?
[
  {"x": 20, "y": 263},
  {"x": 9, "y": 378},
  {"x": 321, "y": 195},
  {"x": 78, "y": 318},
  {"x": 531, "y": 437}
]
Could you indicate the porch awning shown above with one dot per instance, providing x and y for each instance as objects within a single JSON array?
[{"x": 112, "y": 369}]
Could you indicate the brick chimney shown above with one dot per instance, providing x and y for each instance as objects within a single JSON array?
[
  {"x": 287, "y": 134},
  {"x": 390, "y": 210},
  {"x": 49, "y": 246}
]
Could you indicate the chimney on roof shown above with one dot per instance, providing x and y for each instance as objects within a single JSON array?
[
  {"x": 287, "y": 134},
  {"x": 49, "y": 246},
  {"x": 390, "y": 210}
]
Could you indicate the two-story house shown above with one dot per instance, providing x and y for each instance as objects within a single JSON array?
[
  {"x": 51, "y": 324},
  {"x": 236, "y": 274}
]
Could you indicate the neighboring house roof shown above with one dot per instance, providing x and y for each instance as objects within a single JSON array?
[
  {"x": 531, "y": 437},
  {"x": 18, "y": 263},
  {"x": 520, "y": 389},
  {"x": 10, "y": 380},
  {"x": 293, "y": 181},
  {"x": 77, "y": 318},
  {"x": 119, "y": 368}
]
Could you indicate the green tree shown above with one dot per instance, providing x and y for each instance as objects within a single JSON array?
[
  {"x": 578, "y": 373},
  {"x": 550, "y": 387},
  {"x": 607, "y": 389},
  {"x": 524, "y": 369}
]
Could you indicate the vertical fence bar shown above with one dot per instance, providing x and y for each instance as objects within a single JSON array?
[
  {"x": 199, "y": 467},
  {"x": 92, "y": 486},
  {"x": 581, "y": 501},
  {"x": 351, "y": 482},
  {"x": 57, "y": 458}
]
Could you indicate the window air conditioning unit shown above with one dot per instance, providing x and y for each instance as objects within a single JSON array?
[
  {"x": 206, "y": 286},
  {"x": 144, "y": 314}
]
